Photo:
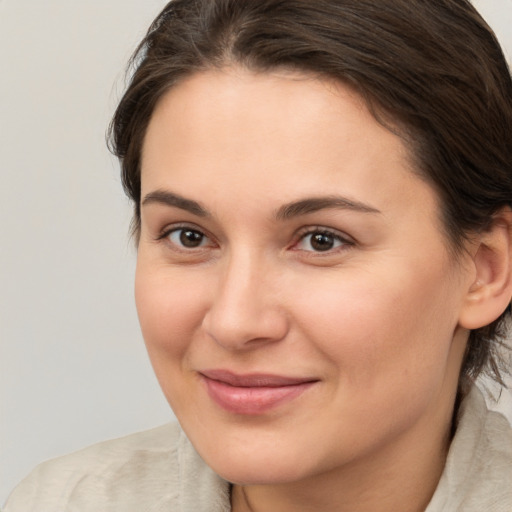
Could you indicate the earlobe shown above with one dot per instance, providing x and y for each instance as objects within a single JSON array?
[{"x": 491, "y": 290}]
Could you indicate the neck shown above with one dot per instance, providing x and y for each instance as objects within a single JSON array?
[{"x": 400, "y": 478}]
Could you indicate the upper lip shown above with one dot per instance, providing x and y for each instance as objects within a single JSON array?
[{"x": 254, "y": 379}]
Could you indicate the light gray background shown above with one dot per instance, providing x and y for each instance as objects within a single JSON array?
[{"x": 73, "y": 368}]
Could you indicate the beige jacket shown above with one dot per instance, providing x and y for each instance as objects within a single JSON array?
[{"x": 159, "y": 471}]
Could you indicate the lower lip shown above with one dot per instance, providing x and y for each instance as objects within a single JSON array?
[{"x": 252, "y": 400}]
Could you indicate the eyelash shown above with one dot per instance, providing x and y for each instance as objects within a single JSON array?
[
  {"x": 183, "y": 228},
  {"x": 341, "y": 242},
  {"x": 344, "y": 242}
]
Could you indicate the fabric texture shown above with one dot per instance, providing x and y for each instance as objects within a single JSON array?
[
  {"x": 478, "y": 472},
  {"x": 159, "y": 471}
]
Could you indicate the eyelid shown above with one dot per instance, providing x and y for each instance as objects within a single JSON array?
[
  {"x": 347, "y": 241},
  {"x": 168, "y": 229}
]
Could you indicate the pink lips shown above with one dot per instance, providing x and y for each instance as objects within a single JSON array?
[{"x": 254, "y": 393}]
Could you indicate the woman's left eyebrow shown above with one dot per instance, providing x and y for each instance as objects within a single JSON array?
[{"x": 314, "y": 204}]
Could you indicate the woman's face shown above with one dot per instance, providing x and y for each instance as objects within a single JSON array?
[{"x": 294, "y": 288}]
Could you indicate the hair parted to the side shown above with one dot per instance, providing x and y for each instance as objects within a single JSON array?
[{"x": 431, "y": 69}]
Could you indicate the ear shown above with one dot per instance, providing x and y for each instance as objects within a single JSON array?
[{"x": 491, "y": 291}]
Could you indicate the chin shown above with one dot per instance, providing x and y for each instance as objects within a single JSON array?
[
  {"x": 255, "y": 464},
  {"x": 256, "y": 473}
]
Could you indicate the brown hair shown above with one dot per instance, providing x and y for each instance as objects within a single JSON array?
[{"x": 432, "y": 69}]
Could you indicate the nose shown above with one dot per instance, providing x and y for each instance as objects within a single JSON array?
[{"x": 246, "y": 308}]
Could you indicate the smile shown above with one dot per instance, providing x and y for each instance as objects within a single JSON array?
[{"x": 252, "y": 394}]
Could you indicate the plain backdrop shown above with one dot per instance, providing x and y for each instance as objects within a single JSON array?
[{"x": 73, "y": 368}]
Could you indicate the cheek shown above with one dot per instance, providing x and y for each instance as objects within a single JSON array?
[
  {"x": 382, "y": 329},
  {"x": 170, "y": 312}
]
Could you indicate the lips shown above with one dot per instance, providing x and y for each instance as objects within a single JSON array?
[{"x": 253, "y": 394}]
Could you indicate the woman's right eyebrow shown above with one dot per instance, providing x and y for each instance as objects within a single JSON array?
[{"x": 168, "y": 198}]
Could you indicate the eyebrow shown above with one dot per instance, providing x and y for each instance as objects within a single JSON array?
[
  {"x": 287, "y": 211},
  {"x": 171, "y": 199},
  {"x": 314, "y": 204}
]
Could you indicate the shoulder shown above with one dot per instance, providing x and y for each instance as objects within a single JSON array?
[
  {"x": 121, "y": 474},
  {"x": 478, "y": 469}
]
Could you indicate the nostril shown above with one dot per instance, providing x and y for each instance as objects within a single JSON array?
[
  {"x": 245, "y": 330},
  {"x": 245, "y": 311}
]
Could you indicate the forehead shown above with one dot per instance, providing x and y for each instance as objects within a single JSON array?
[{"x": 276, "y": 135}]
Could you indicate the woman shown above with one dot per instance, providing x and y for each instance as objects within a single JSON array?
[{"x": 322, "y": 197}]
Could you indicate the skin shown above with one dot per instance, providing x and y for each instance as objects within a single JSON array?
[{"x": 375, "y": 320}]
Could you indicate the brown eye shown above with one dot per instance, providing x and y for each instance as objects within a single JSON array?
[
  {"x": 189, "y": 238},
  {"x": 321, "y": 241}
]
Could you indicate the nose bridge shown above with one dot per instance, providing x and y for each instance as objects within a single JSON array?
[{"x": 245, "y": 307}]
